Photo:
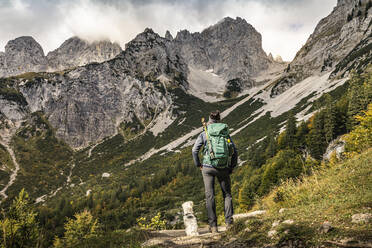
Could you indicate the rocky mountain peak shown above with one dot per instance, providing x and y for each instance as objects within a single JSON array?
[
  {"x": 76, "y": 52},
  {"x": 232, "y": 27},
  {"x": 270, "y": 56},
  {"x": 24, "y": 44},
  {"x": 147, "y": 35},
  {"x": 168, "y": 35},
  {"x": 279, "y": 59},
  {"x": 333, "y": 45},
  {"x": 345, "y": 2},
  {"x": 148, "y": 56},
  {"x": 185, "y": 35},
  {"x": 22, "y": 54},
  {"x": 232, "y": 48}
]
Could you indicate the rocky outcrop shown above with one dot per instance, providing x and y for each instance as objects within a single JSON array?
[
  {"x": 24, "y": 54},
  {"x": 21, "y": 55},
  {"x": 89, "y": 103},
  {"x": 150, "y": 56},
  {"x": 231, "y": 48},
  {"x": 76, "y": 52},
  {"x": 335, "y": 36},
  {"x": 168, "y": 35}
]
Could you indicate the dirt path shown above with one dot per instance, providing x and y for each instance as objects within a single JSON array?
[
  {"x": 5, "y": 139},
  {"x": 53, "y": 193},
  {"x": 178, "y": 238}
]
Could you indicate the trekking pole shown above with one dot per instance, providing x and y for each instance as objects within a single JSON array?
[{"x": 211, "y": 153}]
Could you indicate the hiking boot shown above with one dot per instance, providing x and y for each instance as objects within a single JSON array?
[{"x": 213, "y": 229}]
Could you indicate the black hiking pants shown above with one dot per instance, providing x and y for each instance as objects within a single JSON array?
[{"x": 223, "y": 176}]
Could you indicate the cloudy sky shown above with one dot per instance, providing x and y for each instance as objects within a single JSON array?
[{"x": 284, "y": 24}]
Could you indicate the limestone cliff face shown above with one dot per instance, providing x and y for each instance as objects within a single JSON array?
[
  {"x": 21, "y": 55},
  {"x": 77, "y": 52},
  {"x": 89, "y": 103},
  {"x": 232, "y": 48},
  {"x": 150, "y": 56},
  {"x": 24, "y": 54},
  {"x": 333, "y": 39}
]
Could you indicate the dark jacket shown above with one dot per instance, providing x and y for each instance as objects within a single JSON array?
[{"x": 202, "y": 140}]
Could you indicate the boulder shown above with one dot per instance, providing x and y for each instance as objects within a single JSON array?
[
  {"x": 325, "y": 227},
  {"x": 361, "y": 218}
]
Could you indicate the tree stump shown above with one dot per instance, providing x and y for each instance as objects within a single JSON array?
[{"x": 189, "y": 219}]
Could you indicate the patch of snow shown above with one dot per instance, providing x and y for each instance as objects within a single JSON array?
[
  {"x": 240, "y": 162},
  {"x": 56, "y": 191},
  {"x": 105, "y": 175},
  {"x": 258, "y": 141},
  {"x": 181, "y": 121},
  {"x": 41, "y": 198}
]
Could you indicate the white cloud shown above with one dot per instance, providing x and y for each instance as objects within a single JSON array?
[{"x": 285, "y": 25}]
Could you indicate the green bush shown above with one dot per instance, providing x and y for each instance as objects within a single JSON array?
[
  {"x": 286, "y": 164},
  {"x": 19, "y": 228},
  {"x": 78, "y": 230}
]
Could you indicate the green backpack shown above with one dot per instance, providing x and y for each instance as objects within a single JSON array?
[{"x": 218, "y": 139}]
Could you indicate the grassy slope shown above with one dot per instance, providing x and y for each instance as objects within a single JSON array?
[
  {"x": 332, "y": 194},
  {"x": 42, "y": 158},
  {"x": 7, "y": 163}
]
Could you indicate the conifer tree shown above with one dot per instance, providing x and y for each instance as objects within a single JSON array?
[
  {"x": 290, "y": 131},
  {"x": 329, "y": 119},
  {"x": 301, "y": 133},
  {"x": 355, "y": 101},
  {"x": 316, "y": 139},
  {"x": 272, "y": 147}
]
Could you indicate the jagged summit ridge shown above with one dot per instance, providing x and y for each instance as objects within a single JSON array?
[
  {"x": 125, "y": 89},
  {"x": 334, "y": 37},
  {"x": 25, "y": 54},
  {"x": 232, "y": 48},
  {"x": 76, "y": 52},
  {"x": 150, "y": 56}
]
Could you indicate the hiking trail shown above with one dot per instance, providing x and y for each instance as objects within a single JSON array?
[{"x": 5, "y": 141}]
